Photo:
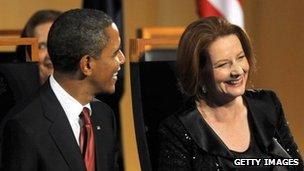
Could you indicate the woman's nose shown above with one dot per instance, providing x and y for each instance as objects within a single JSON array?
[{"x": 236, "y": 70}]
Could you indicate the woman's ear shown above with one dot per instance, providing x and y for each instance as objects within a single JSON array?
[{"x": 85, "y": 65}]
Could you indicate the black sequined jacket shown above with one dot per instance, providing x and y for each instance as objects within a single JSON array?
[{"x": 187, "y": 143}]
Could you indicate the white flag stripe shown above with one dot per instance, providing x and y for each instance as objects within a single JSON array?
[{"x": 230, "y": 9}]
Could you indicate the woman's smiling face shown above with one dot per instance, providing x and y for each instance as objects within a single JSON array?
[{"x": 230, "y": 66}]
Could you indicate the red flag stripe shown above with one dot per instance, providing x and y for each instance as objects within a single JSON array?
[
  {"x": 230, "y": 9},
  {"x": 206, "y": 9}
]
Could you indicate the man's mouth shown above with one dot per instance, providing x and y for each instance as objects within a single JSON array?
[{"x": 115, "y": 75}]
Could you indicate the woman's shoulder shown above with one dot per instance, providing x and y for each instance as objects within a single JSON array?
[
  {"x": 173, "y": 121},
  {"x": 259, "y": 93},
  {"x": 265, "y": 100},
  {"x": 263, "y": 96}
]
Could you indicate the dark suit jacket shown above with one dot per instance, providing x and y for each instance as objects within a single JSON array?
[
  {"x": 17, "y": 82},
  {"x": 41, "y": 138},
  {"x": 187, "y": 143}
]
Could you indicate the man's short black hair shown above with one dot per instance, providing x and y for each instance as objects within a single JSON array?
[{"x": 76, "y": 33}]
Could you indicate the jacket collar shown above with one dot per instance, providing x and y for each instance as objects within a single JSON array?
[
  {"x": 202, "y": 134},
  {"x": 99, "y": 124},
  {"x": 264, "y": 129},
  {"x": 63, "y": 136},
  {"x": 60, "y": 129},
  {"x": 264, "y": 126}
]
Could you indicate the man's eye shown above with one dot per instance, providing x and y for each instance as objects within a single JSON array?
[{"x": 42, "y": 46}]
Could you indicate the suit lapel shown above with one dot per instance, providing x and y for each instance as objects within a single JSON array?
[
  {"x": 264, "y": 127},
  {"x": 60, "y": 129},
  {"x": 99, "y": 132}
]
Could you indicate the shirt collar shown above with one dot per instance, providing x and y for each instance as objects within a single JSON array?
[{"x": 69, "y": 104}]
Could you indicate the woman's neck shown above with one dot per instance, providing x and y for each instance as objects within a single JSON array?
[{"x": 228, "y": 112}]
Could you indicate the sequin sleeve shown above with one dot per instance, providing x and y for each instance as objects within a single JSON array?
[{"x": 174, "y": 152}]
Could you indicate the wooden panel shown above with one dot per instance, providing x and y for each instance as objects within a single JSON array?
[
  {"x": 10, "y": 32},
  {"x": 277, "y": 34},
  {"x": 138, "y": 46},
  {"x": 33, "y": 42},
  {"x": 161, "y": 32},
  {"x": 15, "y": 13}
]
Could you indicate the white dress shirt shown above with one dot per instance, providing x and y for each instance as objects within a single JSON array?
[{"x": 71, "y": 107}]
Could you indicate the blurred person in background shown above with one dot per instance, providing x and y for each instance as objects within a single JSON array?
[
  {"x": 15, "y": 87},
  {"x": 38, "y": 26}
]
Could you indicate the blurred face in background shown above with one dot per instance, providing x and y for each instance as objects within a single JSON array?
[{"x": 45, "y": 65}]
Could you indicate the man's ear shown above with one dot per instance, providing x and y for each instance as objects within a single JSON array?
[{"x": 85, "y": 65}]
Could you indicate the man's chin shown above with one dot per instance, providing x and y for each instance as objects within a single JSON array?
[
  {"x": 109, "y": 91},
  {"x": 112, "y": 91}
]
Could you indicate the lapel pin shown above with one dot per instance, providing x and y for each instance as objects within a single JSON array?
[{"x": 98, "y": 127}]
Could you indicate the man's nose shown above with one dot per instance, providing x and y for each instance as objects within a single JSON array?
[{"x": 121, "y": 58}]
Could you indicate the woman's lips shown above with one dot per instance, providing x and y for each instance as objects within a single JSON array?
[{"x": 236, "y": 82}]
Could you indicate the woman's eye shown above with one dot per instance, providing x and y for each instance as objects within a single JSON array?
[
  {"x": 241, "y": 57},
  {"x": 221, "y": 65}
]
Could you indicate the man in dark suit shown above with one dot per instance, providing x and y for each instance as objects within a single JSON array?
[{"x": 62, "y": 127}]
